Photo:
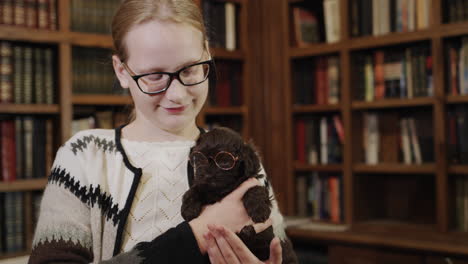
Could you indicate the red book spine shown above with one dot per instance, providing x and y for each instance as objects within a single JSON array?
[
  {"x": 8, "y": 150},
  {"x": 300, "y": 141},
  {"x": 379, "y": 77}
]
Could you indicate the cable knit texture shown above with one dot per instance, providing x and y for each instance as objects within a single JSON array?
[{"x": 116, "y": 201}]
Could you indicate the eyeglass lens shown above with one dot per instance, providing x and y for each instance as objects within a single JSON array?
[
  {"x": 223, "y": 160},
  {"x": 191, "y": 75}
]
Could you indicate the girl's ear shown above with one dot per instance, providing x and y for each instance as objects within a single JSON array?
[{"x": 120, "y": 72}]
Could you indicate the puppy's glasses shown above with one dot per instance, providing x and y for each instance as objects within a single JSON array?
[{"x": 223, "y": 160}]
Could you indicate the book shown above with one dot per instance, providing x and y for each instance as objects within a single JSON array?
[
  {"x": 31, "y": 13},
  {"x": 18, "y": 74},
  {"x": 306, "y": 29},
  {"x": 28, "y": 75},
  {"x": 6, "y": 72},
  {"x": 8, "y": 150},
  {"x": 38, "y": 71},
  {"x": 43, "y": 14},
  {"x": 19, "y": 143},
  {"x": 230, "y": 16},
  {"x": 332, "y": 20},
  {"x": 19, "y": 13},
  {"x": 7, "y": 12}
]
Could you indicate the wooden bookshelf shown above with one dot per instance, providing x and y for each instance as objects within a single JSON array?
[
  {"x": 64, "y": 40},
  {"x": 369, "y": 227}
]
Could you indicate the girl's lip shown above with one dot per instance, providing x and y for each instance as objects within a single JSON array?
[{"x": 175, "y": 109}]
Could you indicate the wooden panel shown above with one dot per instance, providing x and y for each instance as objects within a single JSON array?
[
  {"x": 90, "y": 40},
  {"x": 395, "y": 168},
  {"x": 23, "y": 185},
  {"x": 65, "y": 88},
  {"x": 321, "y": 168},
  {"x": 393, "y": 103},
  {"x": 446, "y": 260},
  {"x": 364, "y": 255},
  {"x": 316, "y": 108},
  {"x": 101, "y": 99},
  {"x": 31, "y": 35}
]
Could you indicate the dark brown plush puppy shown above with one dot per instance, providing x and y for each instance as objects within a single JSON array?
[{"x": 222, "y": 161}]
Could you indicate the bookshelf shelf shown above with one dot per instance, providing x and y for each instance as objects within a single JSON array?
[
  {"x": 389, "y": 40},
  {"x": 394, "y": 168},
  {"x": 23, "y": 185},
  {"x": 31, "y": 35},
  {"x": 298, "y": 166},
  {"x": 393, "y": 103},
  {"x": 100, "y": 99},
  {"x": 425, "y": 241},
  {"x": 232, "y": 110},
  {"x": 315, "y": 49},
  {"x": 29, "y": 109},
  {"x": 455, "y": 29},
  {"x": 457, "y": 99},
  {"x": 458, "y": 169},
  {"x": 5, "y": 256},
  {"x": 299, "y": 109},
  {"x": 90, "y": 40}
]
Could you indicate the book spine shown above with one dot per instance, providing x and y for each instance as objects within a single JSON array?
[
  {"x": 18, "y": 74},
  {"x": 8, "y": 149},
  {"x": 31, "y": 13},
  {"x": 28, "y": 75},
  {"x": 19, "y": 13},
  {"x": 7, "y": 17},
  {"x": 6, "y": 72},
  {"x": 39, "y": 76},
  {"x": 230, "y": 16},
  {"x": 43, "y": 14},
  {"x": 52, "y": 14}
]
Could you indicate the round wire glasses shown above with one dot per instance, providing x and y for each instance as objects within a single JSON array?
[
  {"x": 158, "y": 82},
  {"x": 223, "y": 160}
]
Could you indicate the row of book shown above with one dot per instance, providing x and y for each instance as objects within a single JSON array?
[
  {"x": 457, "y": 67},
  {"x": 26, "y": 144},
  {"x": 320, "y": 197},
  {"x": 12, "y": 219},
  {"x": 228, "y": 90},
  {"x": 316, "y": 22},
  {"x": 93, "y": 72},
  {"x": 98, "y": 119},
  {"x": 27, "y": 74},
  {"x": 461, "y": 203},
  {"x": 456, "y": 10},
  {"x": 457, "y": 131},
  {"x": 92, "y": 16},
  {"x": 40, "y": 14},
  {"x": 405, "y": 73},
  {"x": 317, "y": 81},
  {"x": 221, "y": 23},
  {"x": 319, "y": 140},
  {"x": 388, "y": 138},
  {"x": 380, "y": 17}
]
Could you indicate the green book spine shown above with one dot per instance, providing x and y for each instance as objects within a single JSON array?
[
  {"x": 49, "y": 76},
  {"x": 28, "y": 75},
  {"x": 38, "y": 76},
  {"x": 18, "y": 74}
]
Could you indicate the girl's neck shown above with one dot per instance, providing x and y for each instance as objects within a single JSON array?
[{"x": 137, "y": 131}]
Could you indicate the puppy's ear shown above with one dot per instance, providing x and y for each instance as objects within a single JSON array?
[{"x": 250, "y": 160}]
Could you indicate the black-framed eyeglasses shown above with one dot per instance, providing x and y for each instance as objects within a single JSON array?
[
  {"x": 158, "y": 82},
  {"x": 223, "y": 159}
]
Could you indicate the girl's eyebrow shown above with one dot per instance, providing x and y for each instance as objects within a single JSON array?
[{"x": 159, "y": 69}]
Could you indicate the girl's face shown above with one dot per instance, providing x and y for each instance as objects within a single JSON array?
[{"x": 164, "y": 47}]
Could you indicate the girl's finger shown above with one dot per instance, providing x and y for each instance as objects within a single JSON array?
[
  {"x": 228, "y": 254},
  {"x": 213, "y": 251},
  {"x": 238, "y": 247},
  {"x": 276, "y": 254}
]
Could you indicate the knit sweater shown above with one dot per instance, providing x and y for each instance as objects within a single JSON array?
[{"x": 86, "y": 205}]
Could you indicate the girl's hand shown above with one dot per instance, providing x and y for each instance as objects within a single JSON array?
[
  {"x": 225, "y": 247},
  {"x": 229, "y": 212}
]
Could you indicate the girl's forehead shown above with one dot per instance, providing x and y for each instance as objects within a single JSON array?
[{"x": 163, "y": 44}]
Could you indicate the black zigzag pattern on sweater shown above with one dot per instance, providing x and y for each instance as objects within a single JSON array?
[
  {"x": 82, "y": 143},
  {"x": 90, "y": 197}
]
